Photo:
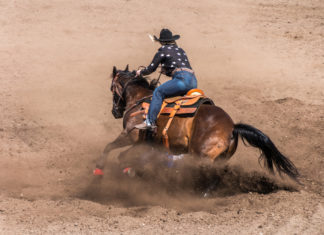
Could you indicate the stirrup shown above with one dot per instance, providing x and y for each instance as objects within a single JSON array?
[{"x": 145, "y": 126}]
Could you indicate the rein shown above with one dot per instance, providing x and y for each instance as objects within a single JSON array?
[
  {"x": 138, "y": 102},
  {"x": 158, "y": 80}
]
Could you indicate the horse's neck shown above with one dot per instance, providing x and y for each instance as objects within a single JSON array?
[{"x": 135, "y": 93}]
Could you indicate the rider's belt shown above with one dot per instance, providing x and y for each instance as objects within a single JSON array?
[{"x": 182, "y": 69}]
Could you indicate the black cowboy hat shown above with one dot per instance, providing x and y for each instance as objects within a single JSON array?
[{"x": 166, "y": 36}]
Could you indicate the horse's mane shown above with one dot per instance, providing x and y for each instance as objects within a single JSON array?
[{"x": 141, "y": 81}]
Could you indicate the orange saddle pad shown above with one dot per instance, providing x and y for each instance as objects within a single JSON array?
[{"x": 186, "y": 105}]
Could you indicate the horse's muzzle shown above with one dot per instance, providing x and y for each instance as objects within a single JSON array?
[{"x": 117, "y": 113}]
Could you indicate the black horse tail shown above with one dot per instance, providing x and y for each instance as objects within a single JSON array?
[{"x": 268, "y": 150}]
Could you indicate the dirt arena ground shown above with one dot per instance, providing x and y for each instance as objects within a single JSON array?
[{"x": 262, "y": 61}]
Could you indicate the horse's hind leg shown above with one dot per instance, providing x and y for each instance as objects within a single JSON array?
[
  {"x": 212, "y": 146},
  {"x": 212, "y": 132},
  {"x": 121, "y": 141},
  {"x": 226, "y": 155}
]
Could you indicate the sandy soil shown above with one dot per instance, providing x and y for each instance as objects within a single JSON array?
[{"x": 261, "y": 61}]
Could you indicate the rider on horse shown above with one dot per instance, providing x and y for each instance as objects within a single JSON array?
[{"x": 174, "y": 64}]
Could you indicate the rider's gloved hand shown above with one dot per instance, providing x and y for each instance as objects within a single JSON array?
[{"x": 138, "y": 73}]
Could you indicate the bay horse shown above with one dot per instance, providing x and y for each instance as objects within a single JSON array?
[{"x": 213, "y": 134}]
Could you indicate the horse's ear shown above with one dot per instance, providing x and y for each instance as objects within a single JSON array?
[
  {"x": 126, "y": 69},
  {"x": 114, "y": 71}
]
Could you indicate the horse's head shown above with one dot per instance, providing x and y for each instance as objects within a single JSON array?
[
  {"x": 123, "y": 81},
  {"x": 120, "y": 79}
]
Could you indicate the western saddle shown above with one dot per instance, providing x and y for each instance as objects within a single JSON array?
[{"x": 185, "y": 106}]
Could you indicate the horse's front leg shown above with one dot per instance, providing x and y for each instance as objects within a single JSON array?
[{"x": 121, "y": 141}]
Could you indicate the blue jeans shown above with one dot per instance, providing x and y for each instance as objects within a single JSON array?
[{"x": 180, "y": 84}]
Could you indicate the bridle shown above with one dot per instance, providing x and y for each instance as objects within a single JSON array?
[{"x": 117, "y": 89}]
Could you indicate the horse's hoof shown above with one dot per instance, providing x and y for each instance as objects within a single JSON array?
[
  {"x": 98, "y": 172},
  {"x": 129, "y": 171}
]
